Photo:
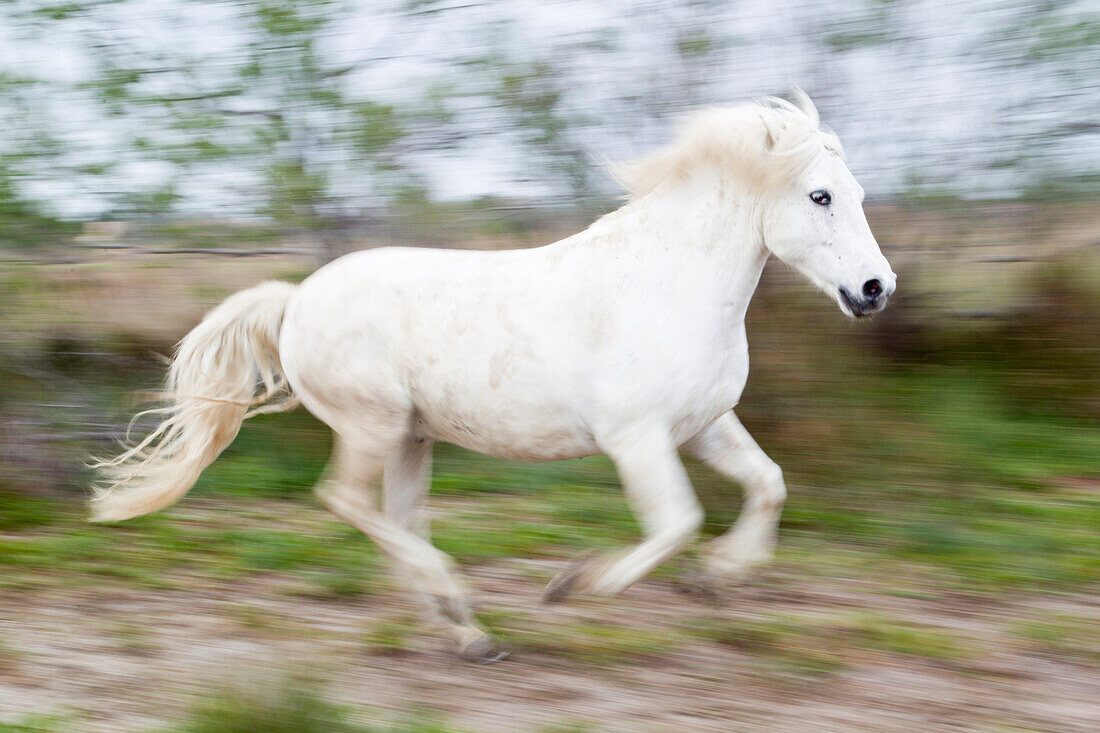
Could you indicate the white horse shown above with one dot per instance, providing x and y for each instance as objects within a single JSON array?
[{"x": 626, "y": 339}]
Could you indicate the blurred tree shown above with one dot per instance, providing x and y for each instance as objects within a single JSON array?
[
  {"x": 28, "y": 154},
  {"x": 317, "y": 112},
  {"x": 23, "y": 221},
  {"x": 1058, "y": 45},
  {"x": 551, "y": 95},
  {"x": 267, "y": 109},
  {"x": 531, "y": 95}
]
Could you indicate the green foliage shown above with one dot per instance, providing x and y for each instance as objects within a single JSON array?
[
  {"x": 61, "y": 11},
  {"x": 854, "y": 39},
  {"x": 22, "y": 221},
  {"x": 532, "y": 94},
  {"x": 695, "y": 45},
  {"x": 272, "y": 105},
  {"x": 376, "y": 127},
  {"x": 275, "y": 105}
]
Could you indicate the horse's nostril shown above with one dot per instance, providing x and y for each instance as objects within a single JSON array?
[{"x": 872, "y": 289}]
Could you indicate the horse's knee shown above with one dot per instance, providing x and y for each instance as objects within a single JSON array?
[
  {"x": 769, "y": 491},
  {"x": 337, "y": 498},
  {"x": 685, "y": 523}
]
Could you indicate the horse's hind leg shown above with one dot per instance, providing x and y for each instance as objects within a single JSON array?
[
  {"x": 661, "y": 495},
  {"x": 347, "y": 493},
  {"x": 728, "y": 448},
  {"x": 405, "y": 484}
]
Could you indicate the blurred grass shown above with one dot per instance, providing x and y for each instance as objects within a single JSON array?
[
  {"x": 969, "y": 485},
  {"x": 969, "y": 488},
  {"x": 10, "y": 657},
  {"x": 594, "y": 643},
  {"x": 37, "y": 724},
  {"x": 1061, "y": 635},
  {"x": 816, "y": 644},
  {"x": 961, "y": 449},
  {"x": 943, "y": 463},
  {"x": 294, "y": 704}
]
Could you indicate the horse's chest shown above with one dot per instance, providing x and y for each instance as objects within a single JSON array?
[
  {"x": 683, "y": 383},
  {"x": 710, "y": 392}
]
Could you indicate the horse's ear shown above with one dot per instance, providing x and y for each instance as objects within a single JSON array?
[
  {"x": 770, "y": 135},
  {"x": 804, "y": 103}
]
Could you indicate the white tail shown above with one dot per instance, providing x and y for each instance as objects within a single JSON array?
[{"x": 226, "y": 365}]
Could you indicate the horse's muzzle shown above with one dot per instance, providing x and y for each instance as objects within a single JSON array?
[{"x": 872, "y": 300}]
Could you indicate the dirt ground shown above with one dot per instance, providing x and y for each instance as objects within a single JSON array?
[{"x": 130, "y": 660}]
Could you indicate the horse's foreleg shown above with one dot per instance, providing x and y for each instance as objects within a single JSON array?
[
  {"x": 728, "y": 448},
  {"x": 661, "y": 495},
  {"x": 347, "y": 493}
]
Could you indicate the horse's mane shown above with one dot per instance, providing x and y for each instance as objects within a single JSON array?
[{"x": 766, "y": 142}]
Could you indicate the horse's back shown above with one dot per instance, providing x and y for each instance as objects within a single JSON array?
[{"x": 462, "y": 341}]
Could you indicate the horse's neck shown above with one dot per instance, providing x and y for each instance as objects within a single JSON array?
[{"x": 703, "y": 228}]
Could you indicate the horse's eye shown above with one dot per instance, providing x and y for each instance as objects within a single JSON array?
[{"x": 822, "y": 197}]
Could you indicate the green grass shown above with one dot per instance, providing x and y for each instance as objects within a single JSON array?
[
  {"x": 292, "y": 705},
  {"x": 37, "y": 724},
  {"x": 10, "y": 657},
  {"x": 589, "y": 642},
  {"x": 942, "y": 466},
  {"x": 273, "y": 456},
  {"x": 791, "y": 644},
  {"x": 878, "y": 632},
  {"x": 971, "y": 488},
  {"x": 25, "y": 512},
  {"x": 1060, "y": 634},
  {"x": 822, "y": 644},
  {"x": 391, "y": 635},
  {"x": 320, "y": 557},
  {"x": 133, "y": 638}
]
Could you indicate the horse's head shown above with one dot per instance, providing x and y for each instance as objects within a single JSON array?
[
  {"x": 810, "y": 207},
  {"x": 813, "y": 219}
]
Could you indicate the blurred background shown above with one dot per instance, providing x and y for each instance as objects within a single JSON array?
[{"x": 939, "y": 555}]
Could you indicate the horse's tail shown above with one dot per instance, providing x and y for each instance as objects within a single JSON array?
[{"x": 226, "y": 366}]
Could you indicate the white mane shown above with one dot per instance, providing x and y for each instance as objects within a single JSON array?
[{"x": 766, "y": 142}]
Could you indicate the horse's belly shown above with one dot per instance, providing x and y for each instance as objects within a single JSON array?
[{"x": 527, "y": 436}]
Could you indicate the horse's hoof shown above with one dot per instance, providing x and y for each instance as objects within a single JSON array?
[
  {"x": 701, "y": 587},
  {"x": 483, "y": 650},
  {"x": 564, "y": 583}
]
